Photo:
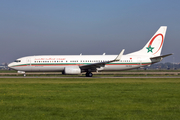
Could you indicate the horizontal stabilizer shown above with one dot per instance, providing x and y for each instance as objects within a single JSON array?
[
  {"x": 162, "y": 56},
  {"x": 158, "y": 58}
]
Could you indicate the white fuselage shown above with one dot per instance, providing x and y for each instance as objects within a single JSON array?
[
  {"x": 54, "y": 63},
  {"x": 76, "y": 64}
]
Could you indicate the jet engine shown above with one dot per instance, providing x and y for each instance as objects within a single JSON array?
[{"x": 72, "y": 70}]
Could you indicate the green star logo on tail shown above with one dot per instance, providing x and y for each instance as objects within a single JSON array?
[{"x": 149, "y": 48}]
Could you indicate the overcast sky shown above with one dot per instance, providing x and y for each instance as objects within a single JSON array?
[{"x": 59, "y": 27}]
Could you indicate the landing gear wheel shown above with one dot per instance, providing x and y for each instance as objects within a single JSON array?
[
  {"x": 63, "y": 72},
  {"x": 89, "y": 74}
]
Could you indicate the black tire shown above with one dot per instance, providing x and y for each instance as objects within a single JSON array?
[
  {"x": 89, "y": 74},
  {"x": 63, "y": 72}
]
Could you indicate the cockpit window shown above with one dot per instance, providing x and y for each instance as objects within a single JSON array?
[{"x": 17, "y": 61}]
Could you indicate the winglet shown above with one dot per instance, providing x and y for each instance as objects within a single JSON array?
[{"x": 119, "y": 56}]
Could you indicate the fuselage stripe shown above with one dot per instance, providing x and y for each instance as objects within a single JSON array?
[{"x": 74, "y": 64}]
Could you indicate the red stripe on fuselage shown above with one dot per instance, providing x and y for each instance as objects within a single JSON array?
[{"x": 79, "y": 64}]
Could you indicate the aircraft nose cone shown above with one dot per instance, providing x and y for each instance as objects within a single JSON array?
[{"x": 9, "y": 65}]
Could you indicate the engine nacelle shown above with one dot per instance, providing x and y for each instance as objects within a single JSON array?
[
  {"x": 72, "y": 70},
  {"x": 21, "y": 72}
]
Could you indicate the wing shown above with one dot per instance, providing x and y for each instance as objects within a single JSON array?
[{"x": 94, "y": 66}]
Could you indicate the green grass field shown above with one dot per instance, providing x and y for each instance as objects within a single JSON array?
[{"x": 89, "y": 99}]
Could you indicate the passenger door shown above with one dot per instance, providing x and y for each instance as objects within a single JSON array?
[{"x": 28, "y": 61}]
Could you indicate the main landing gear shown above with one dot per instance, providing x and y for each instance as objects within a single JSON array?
[{"x": 89, "y": 74}]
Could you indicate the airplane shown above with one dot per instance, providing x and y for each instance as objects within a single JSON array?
[{"x": 77, "y": 64}]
